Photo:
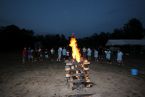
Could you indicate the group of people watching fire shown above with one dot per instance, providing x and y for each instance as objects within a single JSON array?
[{"x": 62, "y": 53}]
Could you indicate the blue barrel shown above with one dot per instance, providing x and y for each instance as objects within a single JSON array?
[{"x": 134, "y": 71}]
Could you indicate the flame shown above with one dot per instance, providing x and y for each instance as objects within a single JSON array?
[{"x": 75, "y": 50}]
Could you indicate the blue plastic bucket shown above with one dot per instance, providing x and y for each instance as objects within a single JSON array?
[{"x": 134, "y": 72}]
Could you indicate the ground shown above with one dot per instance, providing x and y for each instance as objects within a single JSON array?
[{"x": 46, "y": 79}]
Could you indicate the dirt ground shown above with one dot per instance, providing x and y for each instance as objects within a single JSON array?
[{"x": 46, "y": 79}]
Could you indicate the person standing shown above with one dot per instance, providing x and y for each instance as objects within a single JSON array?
[
  {"x": 29, "y": 53},
  {"x": 24, "y": 55},
  {"x": 89, "y": 53},
  {"x": 46, "y": 54},
  {"x": 52, "y": 52},
  {"x": 59, "y": 54},
  {"x": 84, "y": 50},
  {"x": 67, "y": 55},
  {"x": 108, "y": 56},
  {"x": 40, "y": 54},
  {"x": 96, "y": 55},
  {"x": 119, "y": 57},
  {"x": 64, "y": 53},
  {"x": 101, "y": 54}
]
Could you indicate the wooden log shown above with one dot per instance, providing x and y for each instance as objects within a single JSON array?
[
  {"x": 86, "y": 62},
  {"x": 78, "y": 74},
  {"x": 67, "y": 75},
  {"x": 77, "y": 81},
  {"x": 72, "y": 67},
  {"x": 86, "y": 69},
  {"x": 67, "y": 68},
  {"x": 69, "y": 63}
]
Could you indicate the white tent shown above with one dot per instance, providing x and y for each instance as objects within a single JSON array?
[{"x": 121, "y": 42}]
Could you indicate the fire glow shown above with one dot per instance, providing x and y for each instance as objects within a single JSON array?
[{"x": 75, "y": 50}]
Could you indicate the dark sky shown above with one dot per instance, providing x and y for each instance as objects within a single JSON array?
[{"x": 83, "y": 17}]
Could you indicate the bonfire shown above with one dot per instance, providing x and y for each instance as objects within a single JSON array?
[{"x": 77, "y": 69}]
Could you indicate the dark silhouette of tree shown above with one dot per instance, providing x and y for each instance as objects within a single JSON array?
[
  {"x": 94, "y": 41},
  {"x": 117, "y": 34},
  {"x": 134, "y": 29},
  {"x": 64, "y": 41},
  {"x": 103, "y": 38},
  {"x": 38, "y": 41},
  {"x": 12, "y": 37},
  {"x": 50, "y": 41}
]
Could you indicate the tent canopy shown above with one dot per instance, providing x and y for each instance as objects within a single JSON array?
[{"x": 122, "y": 42}]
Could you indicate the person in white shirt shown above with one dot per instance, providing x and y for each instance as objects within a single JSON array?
[
  {"x": 89, "y": 53},
  {"x": 120, "y": 57},
  {"x": 96, "y": 55},
  {"x": 59, "y": 54},
  {"x": 108, "y": 56}
]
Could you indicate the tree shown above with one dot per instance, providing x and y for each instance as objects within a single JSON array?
[
  {"x": 12, "y": 37},
  {"x": 134, "y": 29}
]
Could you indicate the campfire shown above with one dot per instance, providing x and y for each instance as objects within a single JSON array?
[{"x": 77, "y": 69}]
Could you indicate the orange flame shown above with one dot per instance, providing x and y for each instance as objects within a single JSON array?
[{"x": 75, "y": 50}]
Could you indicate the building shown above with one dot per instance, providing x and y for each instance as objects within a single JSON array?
[{"x": 129, "y": 45}]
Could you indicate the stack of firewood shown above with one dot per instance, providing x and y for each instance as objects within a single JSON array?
[{"x": 77, "y": 74}]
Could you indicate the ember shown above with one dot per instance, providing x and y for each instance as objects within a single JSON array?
[{"x": 77, "y": 69}]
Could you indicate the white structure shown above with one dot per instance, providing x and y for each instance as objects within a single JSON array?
[{"x": 121, "y": 42}]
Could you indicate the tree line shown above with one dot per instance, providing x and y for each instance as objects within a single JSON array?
[{"x": 14, "y": 38}]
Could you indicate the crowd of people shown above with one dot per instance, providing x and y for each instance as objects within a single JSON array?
[
  {"x": 39, "y": 54},
  {"x": 62, "y": 53},
  {"x": 103, "y": 55}
]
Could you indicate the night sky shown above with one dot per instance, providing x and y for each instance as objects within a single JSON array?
[{"x": 83, "y": 17}]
